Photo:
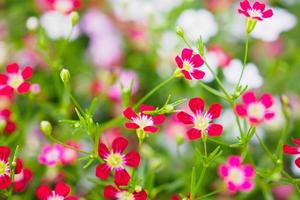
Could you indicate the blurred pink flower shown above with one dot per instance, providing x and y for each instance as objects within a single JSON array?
[
  {"x": 175, "y": 129},
  {"x": 282, "y": 192},
  {"x": 69, "y": 156},
  {"x": 51, "y": 155}
]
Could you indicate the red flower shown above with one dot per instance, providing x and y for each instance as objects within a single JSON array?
[
  {"x": 116, "y": 161},
  {"x": 61, "y": 191},
  {"x": 256, "y": 111},
  {"x": 293, "y": 150},
  {"x": 201, "y": 121},
  {"x": 189, "y": 64},
  {"x": 113, "y": 193},
  {"x": 5, "y": 178},
  {"x": 143, "y": 121},
  {"x": 6, "y": 124},
  {"x": 14, "y": 79},
  {"x": 64, "y": 6},
  {"x": 22, "y": 179},
  {"x": 257, "y": 11}
]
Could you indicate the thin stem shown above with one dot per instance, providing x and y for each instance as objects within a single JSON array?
[
  {"x": 245, "y": 58},
  {"x": 261, "y": 142},
  {"x": 212, "y": 90},
  {"x": 193, "y": 193}
]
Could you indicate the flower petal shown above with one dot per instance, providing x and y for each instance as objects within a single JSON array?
[
  {"x": 144, "y": 107},
  {"x": 23, "y": 88},
  {"x": 290, "y": 149},
  {"x": 197, "y": 60},
  {"x": 223, "y": 171},
  {"x": 186, "y": 74},
  {"x": 259, "y": 6},
  {"x": 110, "y": 192},
  {"x": 247, "y": 186},
  {"x": 214, "y": 130},
  {"x": 196, "y": 105},
  {"x": 119, "y": 145},
  {"x": 296, "y": 141},
  {"x": 4, "y": 153},
  {"x": 186, "y": 54},
  {"x": 194, "y": 134},
  {"x": 268, "y": 13},
  {"x": 12, "y": 68},
  {"x": 179, "y": 62},
  {"x": 245, "y": 5},
  {"x": 158, "y": 119},
  {"x": 62, "y": 189},
  {"x": 43, "y": 192},
  {"x": 121, "y": 177},
  {"x": 267, "y": 100},
  {"x": 249, "y": 97},
  {"x": 131, "y": 125},
  {"x": 142, "y": 195},
  {"x": 129, "y": 113},
  {"x": 248, "y": 170},
  {"x": 132, "y": 159},
  {"x": 234, "y": 161},
  {"x": 241, "y": 110},
  {"x": 103, "y": 151},
  {"x": 151, "y": 129},
  {"x": 3, "y": 79},
  {"x": 198, "y": 74},
  {"x": 27, "y": 73},
  {"x": 185, "y": 118},
  {"x": 214, "y": 110},
  {"x": 297, "y": 162},
  {"x": 102, "y": 171}
]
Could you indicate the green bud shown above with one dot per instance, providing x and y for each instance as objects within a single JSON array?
[
  {"x": 200, "y": 46},
  {"x": 46, "y": 128},
  {"x": 179, "y": 31},
  {"x": 74, "y": 18},
  {"x": 169, "y": 108},
  {"x": 65, "y": 76},
  {"x": 141, "y": 135}
]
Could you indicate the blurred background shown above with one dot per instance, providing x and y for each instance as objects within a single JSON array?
[{"x": 117, "y": 42}]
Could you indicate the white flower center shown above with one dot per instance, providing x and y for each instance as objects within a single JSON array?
[
  {"x": 187, "y": 65},
  {"x": 63, "y": 5},
  {"x": 115, "y": 160},
  {"x": 254, "y": 13},
  {"x": 236, "y": 176},
  {"x": 55, "y": 197},
  {"x": 143, "y": 121},
  {"x": 4, "y": 168},
  {"x": 256, "y": 110},
  {"x": 125, "y": 196},
  {"x": 15, "y": 80},
  {"x": 201, "y": 122},
  {"x": 53, "y": 155}
]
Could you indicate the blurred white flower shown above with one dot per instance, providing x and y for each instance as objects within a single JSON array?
[
  {"x": 251, "y": 76},
  {"x": 270, "y": 30},
  {"x": 198, "y": 23},
  {"x": 32, "y": 23},
  {"x": 58, "y": 25},
  {"x": 212, "y": 60},
  {"x": 278, "y": 121}
]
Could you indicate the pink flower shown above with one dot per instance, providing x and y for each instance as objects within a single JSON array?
[
  {"x": 51, "y": 155},
  {"x": 223, "y": 59},
  {"x": 112, "y": 193},
  {"x": 63, "y": 6},
  {"x": 14, "y": 79},
  {"x": 6, "y": 124},
  {"x": 108, "y": 136},
  {"x": 61, "y": 192},
  {"x": 68, "y": 155},
  {"x": 200, "y": 120},
  {"x": 257, "y": 11},
  {"x": 256, "y": 111},
  {"x": 236, "y": 176},
  {"x": 293, "y": 150},
  {"x": 189, "y": 64},
  {"x": 116, "y": 160},
  {"x": 143, "y": 121},
  {"x": 174, "y": 128}
]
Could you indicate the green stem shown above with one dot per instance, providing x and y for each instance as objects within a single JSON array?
[
  {"x": 264, "y": 146},
  {"x": 196, "y": 188},
  {"x": 245, "y": 58}
]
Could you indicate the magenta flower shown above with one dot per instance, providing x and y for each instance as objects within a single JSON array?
[
  {"x": 200, "y": 120},
  {"x": 189, "y": 64},
  {"x": 257, "y": 11},
  {"x": 51, "y": 155},
  {"x": 236, "y": 176},
  {"x": 256, "y": 111}
]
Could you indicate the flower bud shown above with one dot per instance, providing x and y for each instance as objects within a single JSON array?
[
  {"x": 46, "y": 128},
  {"x": 65, "y": 76},
  {"x": 179, "y": 31},
  {"x": 74, "y": 18},
  {"x": 138, "y": 188}
]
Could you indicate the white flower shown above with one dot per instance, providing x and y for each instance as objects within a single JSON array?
[
  {"x": 58, "y": 25},
  {"x": 212, "y": 60},
  {"x": 270, "y": 29},
  {"x": 251, "y": 76},
  {"x": 198, "y": 23},
  {"x": 32, "y": 23}
]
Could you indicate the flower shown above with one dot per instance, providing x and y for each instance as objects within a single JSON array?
[
  {"x": 6, "y": 124},
  {"x": 293, "y": 150},
  {"x": 110, "y": 192},
  {"x": 61, "y": 191},
  {"x": 116, "y": 160},
  {"x": 22, "y": 179},
  {"x": 256, "y": 12},
  {"x": 143, "y": 121},
  {"x": 201, "y": 121},
  {"x": 236, "y": 176},
  {"x": 63, "y": 6},
  {"x": 256, "y": 111},
  {"x": 15, "y": 79},
  {"x": 51, "y": 155},
  {"x": 189, "y": 63},
  {"x": 5, "y": 168},
  {"x": 69, "y": 156}
]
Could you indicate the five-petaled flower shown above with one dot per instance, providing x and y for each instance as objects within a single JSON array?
[
  {"x": 200, "y": 120},
  {"x": 64, "y": 6},
  {"x": 237, "y": 177},
  {"x": 5, "y": 168},
  {"x": 256, "y": 111},
  {"x": 293, "y": 150},
  {"x": 51, "y": 155},
  {"x": 60, "y": 192},
  {"x": 189, "y": 64},
  {"x": 116, "y": 160},
  {"x": 256, "y": 12},
  {"x": 15, "y": 79},
  {"x": 143, "y": 121},
  {"x": 112, "y": 193}
]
